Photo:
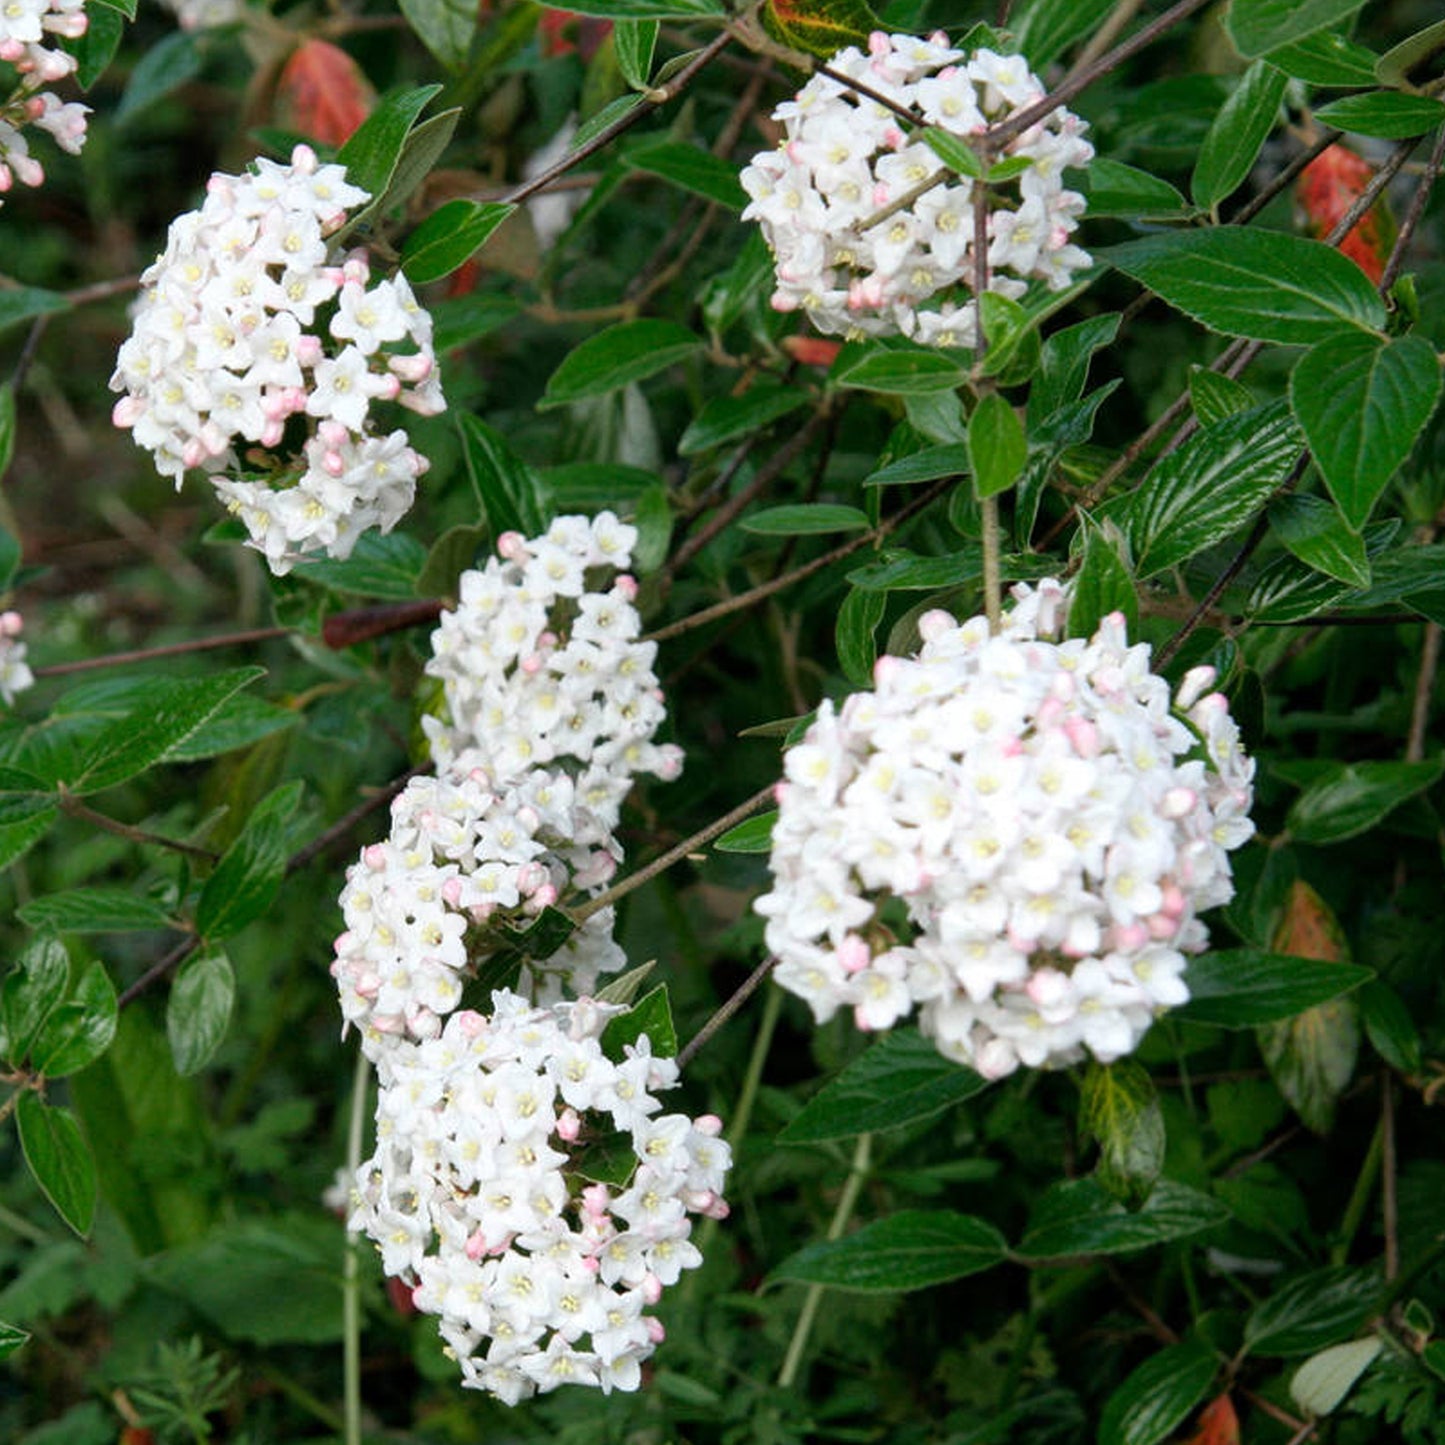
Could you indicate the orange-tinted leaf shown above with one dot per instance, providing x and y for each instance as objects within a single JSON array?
[
  {"x": 1326, "y": 190},
  {"x": 322, "y": 92},
  {"x": 1309, "y": 929},
  {"x": 1218, "y": 1424},
  {"x": 819, "y": 27},
  {"x": 562, "y": 33},
  {"x": 812, "y": 350}
]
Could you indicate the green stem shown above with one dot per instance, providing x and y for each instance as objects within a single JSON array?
[
  {"x": 862, "y": 1154},
  {"x": 351, "y": 1268},
  {"x": 1359, "y": 1198}
]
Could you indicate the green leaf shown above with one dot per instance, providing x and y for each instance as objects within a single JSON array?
[
  {"x": 1239, "y": 131},
  {"x": 173, "y": 711},
  {"x": 1103, "y": 583},
  {"x": 954, "y": 151},
  {"x": 1362, "y": 401},
  {"x": 81, "y": 1029},
  {"x": 1260, "y": 284},
  {"x": 1384, "y": 113},
  {"x": 920, "y": 574},
  {"x": 11, "y": 1339},
  {"x": 1259, "y": 26},
  {"x": 162, "y": 68},
  {"x": 420, "y": 152},
  {"x": 237, "y": 723},
  {"x": 95, "y": 910},
  {"x": 627, "y": 352},
  {"x": 1311, "y": 1058},
  {"x": 1394, "y": 66},
  {"x": 95, "y": 49},
  {"x": 1158, "y": 1396},
  {"x": 805, "y": 519},
  {"x": 198, "y": 1011},
  {"x": 650, "y": 1015},
  {"x": 856, "y": 634},
  {"x": 1327, "y": 58},
  {"x": 1080, "y": 1216},
  {"x": 1239, "y": 988},
  {"x": 691, "y": 168},
  {"x": 123, "y": 7},
  {"x": 1207, "y": 489},
  {"x": 460, "y": 320},
  {"x": 453, "y": 553},
  {"x": 385, "y": 567},
  {"x": 609, "y": 1159},
  {"x": 646, "y": 9},
  {"x": 511, "y": 493},
  {"x": 900, "y": 1079},
  {"x": 997, "y": 446},
  {"x": 726, "y": 418},
  {"x": 1389, "y": 1026},
  {"x": 9, "y": 547},
  {"x": 1013, "y": 340},
  {"x": 18, "y": 838},
  {"x": 33, "y": 988},
  {"x": 1120, "y": 1110},
  {"x": 819, "y": 27},
  {"x": 1064, "y": 364},
  {"x": 926, "y": 466},
  {"x": 245, "y": 882},
  {"x": 1047, "y": 28},
  {"x": 1215, "y": 396},
  {"x": 445, "y": 27},
  {"x": 911, "y": 371},
  {"x": 626, "y": 986},
  {"x": 1352, "y": 797},
  {"x": 635, "y": 41},
  {"x": 1117, "y": 190},
  {"x": 374, "y": 149},
  {"x": 912, "y": 1249},
  {"x": 25, "y": 303},
  {"x": 448, "y": 237},
  {"x": 753, "y": 835},
  {"x": 59, "y": 1158},
  {"x": 652, "y": 516},
  {"x": 1315, "y": 532},
  {"x": 1311, "y": 1312},
  {"x": 1326, "y": 1378}
]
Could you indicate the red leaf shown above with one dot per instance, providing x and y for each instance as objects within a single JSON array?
[
  {"x": 1218, "y": 1424},
  {"x": 322, "y": 92},
  {"x": 562, "y": 33},
  {"x": 812, "y": 350},
  {"x": 1326, "y": 190}
]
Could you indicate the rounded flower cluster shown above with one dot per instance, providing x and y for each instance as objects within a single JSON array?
[
  {"x": 15, "y": 675},
  {"x": 871, "y": 233},
  {"x": 26, "y": 27},
  {"x": 542, "y": 667},
  {"x": 481, "y": 1194},
  {"x": 1013, "y": 832},
  {"x": 254, "y": 334}
]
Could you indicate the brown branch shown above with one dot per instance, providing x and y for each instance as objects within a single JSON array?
[
  {"x": 174, "y": 959},
  {"x": 1413, "y": 216},
  {"x": 726, "y": 1011},
  {"x": 173, "y": 649},
  {"x": 72, "y": 807}
]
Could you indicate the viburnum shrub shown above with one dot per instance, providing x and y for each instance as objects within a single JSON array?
[{"x": 997, "y": 447}]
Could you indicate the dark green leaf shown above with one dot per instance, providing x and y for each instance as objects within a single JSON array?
[
  {"x": 926, "y": 466},
  {"x": 1064, "y": 364},
  {"x": 1120, "y": 1111},
  {"x": 1241, "y": 987},
  {"x": 32, "y": 989},
  {"x": 1158, "y": 1396},
  {"x": 25, "y": 303},
  {"x": 628, "y": 352},
  {"x": 920, "y": 574},
  {"x": 726, "y": 418},
  {"x": 1259, "y": 26},
  {"x": 237, "y": 723},
  {"x": 912, "y": 1249},
  {"x": 1384, "y": 113},
  {"x": 650, "y": 1015},
  {"x": 635, "y": 41},
  {"x": 691, "y": 168},
  {"x": 420, "y": 152},
  {"x": 453, "y": 553},
  {"x": 898, "y": 371},
  {"x": 9, "y": 547},
  {"x": 59, "y": 1158},
  {"x": 1103, "y": 583},
  {"x": 1362, "y": 401},
  {"x": 1261, "y": 284},
  {"x": 652, "y": 516},
  {"x": 11, "y": 1339},
  {"x": 1327, "y": 58},
  {"x": 1047, "y": 28},
  {"x": 1352, "y": 797},
  {"x": 123, "y": 7},
  {"x": 1214, "y": 396},
  {"x": 1315, "y": 532},
  {"x": 23, "y": 795},
  {"x": 198, "y": 1011},
  {"x": 1124, "y": 191},
  {"x": 448, "y": 237},
  {"x": 646, "y": 9},
  {"x": 1389, "y": 1026},
  {"x": 374, "y": 150},
  {"x": 95, "y": 910},
  {"x": 610, "y": 1159},
  {"x": 460, "y": 320},
  {"x": 819, "y": 27},
  {"x": 1080, "y": 1216},
  {"x": 445, "y": 27},
  {"x": 245, "y": 882},
  {"x": 162, "y": 68},
  {"x": 996, "y": 445},
  {"x": 753, "y": 835},
  {"x": 1311, "y": 1058},
  {"x": 900, "y": 1079},
  {"x": 385, "y": 567},
  {"x": 954, "y": 151},
  {"x": 1013, "y": 341},
  {"x": 81, "y": 1029},
  {"x": 1311, "y": 1312},
  {"x": 856, "y": 634},
  {"x": 509, "y": 490},
  {"x": 17, "y": 839},
  {"x": 95, "y": 49},
  {"x": 1239, "y": 131},
  {"x": 805, "y": 519}
]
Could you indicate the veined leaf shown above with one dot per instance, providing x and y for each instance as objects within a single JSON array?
[
  {"x": 1239, "y": 131},
  {"x": 1239, "y": 988},
  {"x": 59, "y": 1158},
  {"x": 1259, "y": 26},
  {"x": 1080, "y": 1216},
  {"x": 1158, "y": 1396},
  {"x": 627, "y": 352}
]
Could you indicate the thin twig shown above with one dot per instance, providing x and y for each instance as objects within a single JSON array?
[
  {"x": 1389, "y": 1193},
  {"x": 74, "y": 808},
  {"x": 348, "y": 821},
  {"x": 172, "y": 649},
  {"x": 726, "y": 1011},
  {"x": 1284, "y": 178},
  {"x": 174, "y": 959},
  {"x": 1414, "y": 214}
]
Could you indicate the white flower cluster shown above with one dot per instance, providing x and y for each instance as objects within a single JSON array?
[
  {"x": 541, "y": 665},
  {"x": 864, "y": 244},
  {"x": 15, "y": 675},
  {"x": 25, "y": 28},
  {"x": 1013, "y": 832},
  {"x": 253, "y": 332},
  {"x": 205, "y": 14},
  {"x": 478, "y": 1194}
]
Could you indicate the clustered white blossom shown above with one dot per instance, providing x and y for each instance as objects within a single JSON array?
[
  {"x": 478, "y": 1194},
  {"x": 1013, "y": 832},
  {"x": 15, "y": 675},
  {"x": 861, "y": 243},
  {"x": 25, "y": 28},
  {"x": 205, "y": 14},
  {"x": 253, "y": 334}
]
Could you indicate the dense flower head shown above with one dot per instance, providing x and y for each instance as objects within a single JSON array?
[
  {"x": 257, "y": 352},
  {"x": 1012, "y": 831},
  {"x": 541, "y": 664},
  {"x": 28, "y": 30},
  {"x": 15, "y": 675},
  {"x": 467, "y": 857},
  {"x": 482, "y": 1194},
  {"x": 863, "y": 244}
]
